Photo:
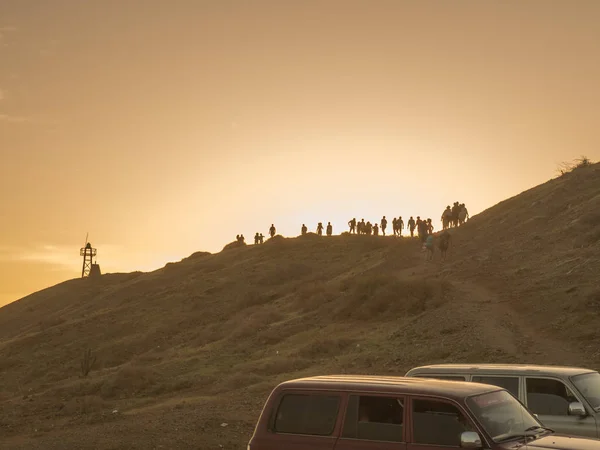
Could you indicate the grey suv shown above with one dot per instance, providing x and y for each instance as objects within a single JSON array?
[{"x": 566, "y": 399}]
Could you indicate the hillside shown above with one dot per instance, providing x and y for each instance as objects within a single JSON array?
[{"x": 202, "y": 342}]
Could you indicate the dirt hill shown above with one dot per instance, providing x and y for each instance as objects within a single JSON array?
[{"x": 200, "y": 343}]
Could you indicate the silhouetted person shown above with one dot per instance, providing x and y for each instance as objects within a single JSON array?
[
  {"x": 394, "y": 226},
  {"x": 444, "y": 243},
  {"x": 256, "y": 239},
  {"x": 272, "y": 231},
  {"x": 446, "y": 217},
  {"x": 422, "y": 229},
  {"x": 375, "y": 230},
  {"x": 455, "y": 211},
  {"x": 463, "y": 214},
  {"x": 429, "y": 227},
  {"x": 237, "y": 238},
  {"x": 242, "y": 238},
  {"x": 411, "y": 226},
  {"x": 429, "y": 246},
  {"x": 400, "y": 225},
  {"x": 320, "y": 229},
  {"x": 362, "y": 227},
  {"x": 261, "y": 238},
  {"x": 383, "y": 225},
  {"x": 369, "y": 229},
  {"x": 352, "y": 225},
  {"x": 304, "y": 230},
  {"x": 329, "y": 229}
]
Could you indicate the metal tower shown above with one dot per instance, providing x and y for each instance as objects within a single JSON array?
[{"x": 88, "y": 254}]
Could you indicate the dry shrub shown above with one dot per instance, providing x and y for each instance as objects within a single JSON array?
[
  {"x": 279, "y": 365},
  {"x": 372, "y": 296},
  {"x": 255, "y": 298},
  {"x": 50, "y": 322},
  {"x": 213, "y": 267},
  {"x": 7, "y": 363},
  {"x": 211, "y": 333},
  {"x": 587, "y": 239},
  {"x": 254, "y": 323},
  {"x": 279, "y": 332},
  {"x": 130, "y": 381},
  {"x": 592, "y": 303},
  {"x": 238, "y": 381},
  {"x": 78, "y": 389},
  {"x": 322, "y": 348},
  {"x": 312, "y": 297},
  {"x": 173, "y": 385},
  {"x": 83, "y": 405},
  {"x": 591, "y": 219},
  {"x": 284, "y": 272}
]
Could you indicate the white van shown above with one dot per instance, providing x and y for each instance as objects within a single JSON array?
[{"x": 566, "y": 399}]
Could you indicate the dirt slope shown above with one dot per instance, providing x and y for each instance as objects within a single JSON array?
[{"x": 185, "y": 349}]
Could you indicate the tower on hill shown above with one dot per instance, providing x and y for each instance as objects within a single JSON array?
[{"x": 89, "y": 268}]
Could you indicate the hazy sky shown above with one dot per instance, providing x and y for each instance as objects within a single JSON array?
[{"x": 168, "y": 127}]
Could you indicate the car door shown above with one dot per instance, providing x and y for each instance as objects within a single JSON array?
[
  {"x": 549, "y": 398},
  {"x": 374, "y": 422},
  {"x": 436, "y": 424}
]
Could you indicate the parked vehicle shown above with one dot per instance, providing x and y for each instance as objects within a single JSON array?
[
  {"x": 566, "y": 399},
  {"x": 397, "y": 413}
]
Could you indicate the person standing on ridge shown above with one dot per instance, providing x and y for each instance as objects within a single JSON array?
[
  {"x": 411, "y": 226},
  {"x": 272, "y": 231},
  {"x": 329, "y": 229},
  {"x": 304, "y": 229},
  {"x": 256, "y": 239},
  {"x": 261, "y": 239},
  {"x": 422, "y": 230},
  {"x": 352, "y": 225},
  {"x": 383, "y": 225},
  {"x": 375, "y": 229},
  {"x": 447, "y": 217},
  {"x": 463, "y": 214},
  {"x": 320, "y": 229},
  {"x": 429, "y": 227},
  {"x": 400, "y": 225},
  {"x": 395, "y": 226}
]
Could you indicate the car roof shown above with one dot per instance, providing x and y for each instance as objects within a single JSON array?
[
  {"x": 520, "y": 369},
  {"x": 368, "y": 383}
]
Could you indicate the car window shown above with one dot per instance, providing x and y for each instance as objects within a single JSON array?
[
  {"x": 548, "y": 397},
  {"x": 588, "y": 385},
  {"x": 511, "y": 384},
  {"x": 311, "y": 414},
  {"x": 374, "y": 418},
  {"x": 438, "y": 423}
]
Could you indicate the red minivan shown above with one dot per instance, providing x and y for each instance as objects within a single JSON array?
[{"x": 396, "y": 413}]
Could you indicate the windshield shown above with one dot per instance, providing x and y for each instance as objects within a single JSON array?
[
  {"x": 589, "y": 386},
  {"x": 502, "y": 416}
]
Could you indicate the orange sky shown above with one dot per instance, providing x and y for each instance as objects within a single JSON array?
[{"x": 167, "y": 127}]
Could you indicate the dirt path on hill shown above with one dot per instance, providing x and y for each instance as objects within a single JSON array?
[{"x": 496, "y": 322}]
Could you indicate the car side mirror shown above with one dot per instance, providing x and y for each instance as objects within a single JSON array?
[
  {"x": 577, "y": 409},
  {"x": 470, "y": 440}
]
